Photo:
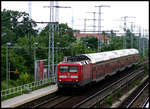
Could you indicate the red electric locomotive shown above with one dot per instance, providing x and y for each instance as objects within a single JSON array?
[{"x": 83, "y": 69}]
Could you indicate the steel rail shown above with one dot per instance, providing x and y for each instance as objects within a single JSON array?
[
  {"x": 89, "y": 98},
  {"x": 137, "y": 96},
  {"x": 42, "y": 103},
  {"x": 122, "y": 86},
  {"x": 145, "y": 103},
  {"x": 58, "y": 101}
]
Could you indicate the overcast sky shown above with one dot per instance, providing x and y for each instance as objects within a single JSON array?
[{"x": 111, "y": 15}]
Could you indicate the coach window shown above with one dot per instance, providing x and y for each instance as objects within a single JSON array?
[{"x": 73, "y": 69}]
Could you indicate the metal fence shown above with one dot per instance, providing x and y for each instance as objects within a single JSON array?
[{"x": 24, "y": 87}]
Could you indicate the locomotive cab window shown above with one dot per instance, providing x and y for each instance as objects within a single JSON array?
[
  {"x": 73, "y": 69},
  {"x": 68, "y": 69},
  {"x": 63, "y": 68}
]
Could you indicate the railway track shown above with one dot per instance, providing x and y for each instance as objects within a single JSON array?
[
  {"x": 129, "y": 102},
  {"x": 97, "y": 98},
  {"x": 142, "y": 100},
  {"x": 46, "y": 101},
  {"x": 74, "y": 99},
  {"x": 38, "y": 101},
  {"x": 52, "y": 102},
  {"x": 65, "y": 101},
  {"x": 145, "y": 102}
]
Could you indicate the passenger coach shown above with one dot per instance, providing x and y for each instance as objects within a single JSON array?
[{"x": 83, "y": 69}]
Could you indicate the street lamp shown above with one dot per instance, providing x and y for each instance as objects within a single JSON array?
[
  {"x": 7, "y": 44},
  {"x": 35, "y": 61}
]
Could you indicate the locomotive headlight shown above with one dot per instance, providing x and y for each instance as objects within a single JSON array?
[{"x": 59, "y": 80}]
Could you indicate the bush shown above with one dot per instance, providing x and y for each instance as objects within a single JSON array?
[
  {"x": 3, "y": 85},
  {"x": 118, "y": 94},
  {"x": 146, "y": 68},
  {"x": 108, "y": 100},
  {"x": 24, "y": 78},
  {"x": 13, "y": 83},
  {"x": 136, "y": 66}
]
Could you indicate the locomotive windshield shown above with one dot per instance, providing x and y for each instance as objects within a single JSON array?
[
  {"x": 68, "y": 69},
  {"x": 63, "y": 68}
]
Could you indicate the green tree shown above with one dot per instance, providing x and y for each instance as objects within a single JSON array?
[
  {"x": 10, "y": 19},
  {"x": 90, "y": 42},
  {"x": 25, "y": 52},
  {"x": 3, "y": 63},
  {"x": 8, "y": 35},
  {"x": 115, "y": 44},
  {"x": 15, "y": 61},
  {"x": 64, "y": 36}
]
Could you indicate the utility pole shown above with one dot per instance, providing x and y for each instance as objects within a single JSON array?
[
  {"x": 125, "y": 26},
  {"x": 35, "y": 73},
  {"x": 30, "y": 14},
  {"x": 143, "y": 43},
  {"x": 57, "y": 12},
  {"x": 9, "y": 71},
  {"x": 29, "y": 9},
  {"x": 147, "y": 39},
  {"x": 57, "y": 29},
  {"x": 85, "y": 25},
  {"x": 52, "y": 31},
  {"x": 7, "y": 66},
  {"x": 147, "y": 42},
  {"x": 7, "y": 44},
  {"x": 51, "y": 37},
  {"x": 132, "y": 40},
  {"x": 140, "y": 39},
  {"x": 99, "y": 25},
  {"x": 94, "y": 25},
  {"x": 72, "y": 20},
  {"x": 131, "y": 35},
  {"x": 51, "y": 40},
  {"x": 125, "y": 29},
  {"x": 137, "y": 38}
]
